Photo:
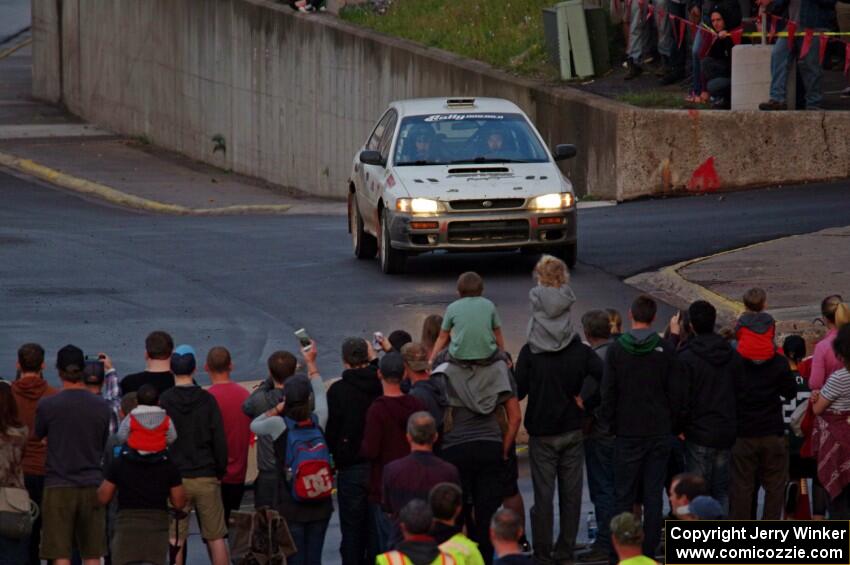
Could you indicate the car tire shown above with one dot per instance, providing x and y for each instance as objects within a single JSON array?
[
  {"x": 567, "y": 253},
  {"x": 392, "y": 260},
  {"x": 365, "y": 245}
]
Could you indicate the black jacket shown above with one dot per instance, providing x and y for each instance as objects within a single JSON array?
[
  {"x": 348, "y": 401},
  {"x": 201, "y": 446},
  {"x": 760, "y": 395},
  {"x": 711, "y": 371},
  {"x": 640, "y": 393},
  {"x": 552, "y": 380}
]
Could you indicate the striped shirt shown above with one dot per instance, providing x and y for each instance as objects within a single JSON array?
[{"x": 837, "y": 391}]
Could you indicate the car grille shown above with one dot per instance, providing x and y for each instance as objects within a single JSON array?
[
  {"x": 488, "y": 232},
  {"x": 491, "y": 204}
]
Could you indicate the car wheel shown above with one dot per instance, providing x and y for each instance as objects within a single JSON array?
[
  {"x": 392, "y": 260},
  {"x": 567, "y": 253},
  {"x": 365, "y": 245}
]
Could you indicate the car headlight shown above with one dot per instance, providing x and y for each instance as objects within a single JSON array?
[
  {"x": 418, "y": 205},
  {"x": 554, "y": 201}
]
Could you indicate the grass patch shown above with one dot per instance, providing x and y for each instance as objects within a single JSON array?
[
  {"x": 654, "y": 99},
  {"x": 505, "y": 33}
]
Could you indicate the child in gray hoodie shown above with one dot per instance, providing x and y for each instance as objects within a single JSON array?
[{"x": 550, "y": 328}]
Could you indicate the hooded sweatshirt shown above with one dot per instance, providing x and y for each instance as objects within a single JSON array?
[
  {"x": 552, "y": 380},
  {"x": 550, "y": 327},
  {"x": 348, "y": 401},
  {"x": 384, "y": 436},
  {"x": 27, "y": 392},
  {"x": 147, "y": 429},
  {"x": 262, "y": 400},
  {"x": 711, "y": 370},
  {"x": 432, "y": 393},
  {"x": 201, "y": 446},
  {"x": 638, "y": 391},
  {"x": 755, "y": 333}
]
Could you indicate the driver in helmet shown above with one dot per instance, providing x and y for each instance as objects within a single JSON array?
[{"x": 420, "y": 144}]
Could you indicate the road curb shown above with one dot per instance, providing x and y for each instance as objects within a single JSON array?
[
  {"x": 670, "y": 286},
  {"x": 114, "y": 196},
  {"x": 9, "y": 50}
]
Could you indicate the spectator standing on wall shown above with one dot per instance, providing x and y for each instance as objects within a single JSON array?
[
  {"x": 29, "y": 389},
  {"x": 76, "y": 425},
  {"x": 158, "y": 348},
  {"x": 816, "y": 15},
  {"x": 230, "y": 397},
  {"x": 268, "y": 394}
]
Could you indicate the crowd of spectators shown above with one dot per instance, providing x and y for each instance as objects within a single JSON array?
[
  {"x": 419, "y": 438},
  {"x": 704, "y": 32}
]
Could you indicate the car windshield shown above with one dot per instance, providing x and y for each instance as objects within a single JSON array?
[{"x": 449, "y": 139}]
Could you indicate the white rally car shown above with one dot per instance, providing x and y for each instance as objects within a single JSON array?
[{"x": 459, "y": 174}]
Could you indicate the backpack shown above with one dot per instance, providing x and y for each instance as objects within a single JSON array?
[
  {"x": 306, "y": 460},
  {"x": 259, "y": 538}
]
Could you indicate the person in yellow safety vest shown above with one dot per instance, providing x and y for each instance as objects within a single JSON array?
[
  {"x": 627, "y": 537},
  {"x": 446, "y": 501},
  {"x": 418, "y": 547}
]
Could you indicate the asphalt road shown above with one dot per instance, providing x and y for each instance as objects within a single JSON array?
[{"x": 77, "y": 271}]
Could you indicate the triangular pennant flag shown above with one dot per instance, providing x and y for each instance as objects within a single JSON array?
[
  {"x": 792, "y": 31},
  {"x": 772, "y": 34},
  {"x": 682, "y": 31},
  {"x": 847, "y": 58},
  {"x": 824, "y": 42},
  {"x": 737, "y": 34},
  {"x": 707, "y": 42},
  {"x": 809, "y": 34}
]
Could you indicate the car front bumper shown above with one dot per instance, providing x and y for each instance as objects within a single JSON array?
[{"x": 473, "y": 231}]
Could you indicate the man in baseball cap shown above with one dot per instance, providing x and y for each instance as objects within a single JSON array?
[
  {"x": 76, "y": 424},
  {"x": 627, "y": 536}
]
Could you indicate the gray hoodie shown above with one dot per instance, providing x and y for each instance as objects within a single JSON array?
[{"x": 550, "y": 327}]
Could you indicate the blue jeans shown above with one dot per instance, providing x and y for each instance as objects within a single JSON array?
[
  {"x": 13, "y": 551},
  {"x": 599, "y": 459},
  {"x": 352, "y": 498},
  {"x": 309, "y": 538},
  {"x": 713, "y": 465},
  {"x": 808, "y": 67},
  {"x": 642, "y": 460},
  {"x": 638, "y": 32}
]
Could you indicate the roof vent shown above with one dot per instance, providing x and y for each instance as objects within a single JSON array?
[{"x": 460, "y": 102}]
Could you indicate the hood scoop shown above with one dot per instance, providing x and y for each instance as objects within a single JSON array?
[{"x": 478, "y": 170}]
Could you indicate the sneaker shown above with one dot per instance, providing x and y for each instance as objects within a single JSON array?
[
  {"x": 635, "y": 71},
  {"x": 772, "y": 106}
]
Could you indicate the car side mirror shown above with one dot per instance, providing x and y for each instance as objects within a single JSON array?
[
  {"x": 372, "y": 158},
  {"x": 564, "y": 151}
]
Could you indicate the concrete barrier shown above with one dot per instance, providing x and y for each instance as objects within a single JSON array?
[{"x": 293, "y": 96}]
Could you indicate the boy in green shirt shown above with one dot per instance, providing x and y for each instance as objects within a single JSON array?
[
  {"x": 471, "y": 323},
  {"x": 627, "y": 535}
]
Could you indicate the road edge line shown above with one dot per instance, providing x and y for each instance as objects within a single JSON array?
[
  {"x": 5, "y": 53},
  {"x": 114, "y": 196}
]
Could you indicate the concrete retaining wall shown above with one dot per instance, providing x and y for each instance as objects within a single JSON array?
[{"x": 294, "y": 95}]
